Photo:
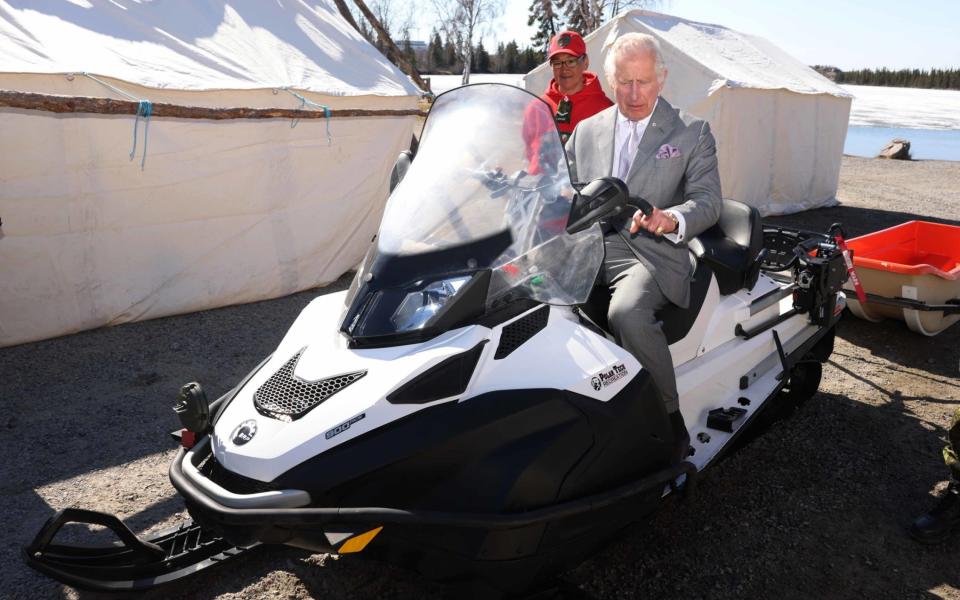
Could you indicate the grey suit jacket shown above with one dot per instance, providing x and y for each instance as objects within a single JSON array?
[{"x": 688, "y": 183}]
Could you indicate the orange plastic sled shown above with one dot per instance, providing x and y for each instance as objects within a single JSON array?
[{"x": 909, "y": 272}]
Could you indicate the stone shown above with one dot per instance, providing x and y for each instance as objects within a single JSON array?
[{"x": 898, "y": 149}]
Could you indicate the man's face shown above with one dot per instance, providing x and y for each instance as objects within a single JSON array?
[
  {"x": 568, "y": 71},
  {"x": 635, "y": 85}
]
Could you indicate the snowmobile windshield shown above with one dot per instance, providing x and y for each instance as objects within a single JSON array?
[{"x": 488, "y": 191}]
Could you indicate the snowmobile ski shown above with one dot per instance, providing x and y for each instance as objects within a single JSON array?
[{"x": 132, "y": 564}]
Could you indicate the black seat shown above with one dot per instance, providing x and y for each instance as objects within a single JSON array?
[
  {"x": 676, "y": 321},
  {"x": 731, "y": 247}
]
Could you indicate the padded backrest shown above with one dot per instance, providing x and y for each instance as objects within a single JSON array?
[
  {"x": 731, "y": 246},
  {"x": 741, "y": 223}
]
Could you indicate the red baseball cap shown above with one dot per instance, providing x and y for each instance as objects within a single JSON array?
[{"x": 567, "y": 42}]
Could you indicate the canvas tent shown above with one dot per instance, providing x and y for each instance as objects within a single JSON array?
[
  {"x": 780, "y": 126},
  {"x": 228, "y": 198}
]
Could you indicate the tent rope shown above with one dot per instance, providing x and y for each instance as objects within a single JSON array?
[
  {"x": 304, "y": 102},
  {"x": 144, "y": 109}
]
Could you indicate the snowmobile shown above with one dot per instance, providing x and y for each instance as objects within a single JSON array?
[{"x": 463, "y": 409}]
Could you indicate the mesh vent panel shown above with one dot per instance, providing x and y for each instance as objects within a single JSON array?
[
  {"x": 521, "y": 330},
  {"x": 286, "y": 396}
]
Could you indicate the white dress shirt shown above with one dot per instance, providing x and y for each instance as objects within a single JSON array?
[
  {"x": 624, "y": 125},
  {"x": 622, "y": 133}
]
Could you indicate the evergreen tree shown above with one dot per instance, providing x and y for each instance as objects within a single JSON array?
[
  {"x": 435, "y": 51},
  {"x": 916, "y": 78},
  {"x": 498, "y": 59},
  {"x": 510, "y": 59},
  {"x": 586, "y": 16},
  {"x": 481, "y": 59},
  {"x": 578, "y": 16},
  {"x": 544, "y": 15},
  {"x": 529, "y": 59},
  {"x": 450, "y": 55},
  {"x": 408, "y": 50}
]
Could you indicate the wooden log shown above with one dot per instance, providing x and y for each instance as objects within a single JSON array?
[
  {"x": 109, "y": 106},
  {"x": 392, "y": 51},
  {"x": 345, "y": 13}
]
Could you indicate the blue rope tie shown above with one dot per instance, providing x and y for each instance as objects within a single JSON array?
[
  {"x": 144, "y": 109},
  {"x": 304, "y": 102}
]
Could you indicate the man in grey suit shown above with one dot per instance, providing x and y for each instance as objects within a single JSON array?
[{"x": 669, "y": 159}]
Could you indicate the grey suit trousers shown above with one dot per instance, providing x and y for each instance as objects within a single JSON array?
[{"x": 635, "y": 297}]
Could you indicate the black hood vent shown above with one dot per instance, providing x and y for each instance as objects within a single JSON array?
[
  {"x": 515, "y": 334},
  {"x": 287, "y": 397}
]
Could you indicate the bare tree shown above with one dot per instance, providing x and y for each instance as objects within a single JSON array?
[
  {"x": 463, "y": 21},
  {"x": 396, "y": 16},
  {"x": 386, "y": 42}
]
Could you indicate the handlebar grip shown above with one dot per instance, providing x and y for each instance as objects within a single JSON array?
[{"x": 644, "y": 206}]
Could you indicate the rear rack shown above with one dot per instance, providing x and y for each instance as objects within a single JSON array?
[
  {"x": 813, "y": 262},
  {"x": 785, "y": 247},
  {"x": 133, "y": 564}
]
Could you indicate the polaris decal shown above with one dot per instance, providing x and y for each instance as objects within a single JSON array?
[
  {"x": 605, "y": 378},
  {"x": 343, "y": 426},
  {"x": 244, "y": 432}
]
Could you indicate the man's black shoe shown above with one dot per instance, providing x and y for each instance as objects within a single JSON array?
[{"x": 940, "y": 522}]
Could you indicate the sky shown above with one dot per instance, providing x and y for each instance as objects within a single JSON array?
[{"x": 849, "y": 34}]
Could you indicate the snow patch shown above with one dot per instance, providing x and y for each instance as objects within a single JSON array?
[
  {"x": 913, "y": 108},
  {"x": 442, "y": 83},
  {"x": 873, "y": 106}
]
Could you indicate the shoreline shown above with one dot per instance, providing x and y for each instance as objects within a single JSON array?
[{"x": 926, "y": 144}]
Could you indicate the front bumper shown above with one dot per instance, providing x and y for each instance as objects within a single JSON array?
[{"x": 278, "y": 509}]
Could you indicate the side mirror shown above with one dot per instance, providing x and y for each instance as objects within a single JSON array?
[
  {"x": 400, "y": 168},
  {"x": 600, "y": 199}
]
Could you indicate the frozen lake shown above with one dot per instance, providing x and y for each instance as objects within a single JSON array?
[
  {"x": 914, "y": 108},
  {"x": 930, "y": 119},
  {"x": 925, "y": 144}
]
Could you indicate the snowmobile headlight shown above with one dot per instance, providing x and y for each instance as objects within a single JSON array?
[{"x": 418, "y": 307}]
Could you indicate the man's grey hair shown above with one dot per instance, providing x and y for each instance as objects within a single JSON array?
[{"x": 630, "y": 44}]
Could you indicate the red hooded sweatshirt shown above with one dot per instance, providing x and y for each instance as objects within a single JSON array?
[{"x": 587, "y": 102}]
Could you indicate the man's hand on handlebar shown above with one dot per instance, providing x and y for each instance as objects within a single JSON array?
[{"x": 658, "y": 223}]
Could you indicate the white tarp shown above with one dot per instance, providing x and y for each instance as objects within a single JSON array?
[
  {"x": 780, "y": 125},
  {"x": 223, "y": 211}
]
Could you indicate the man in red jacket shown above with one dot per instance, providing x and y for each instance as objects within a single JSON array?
[{"x": 573, "y": 94}]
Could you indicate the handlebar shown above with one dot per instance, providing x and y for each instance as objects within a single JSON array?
[{"x": 641, "y": 204}]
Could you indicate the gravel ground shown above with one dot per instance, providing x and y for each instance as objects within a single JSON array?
[{"x": 814, "y": 508}]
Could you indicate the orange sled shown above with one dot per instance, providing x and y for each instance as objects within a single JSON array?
[{"x": 909, "y": 272}]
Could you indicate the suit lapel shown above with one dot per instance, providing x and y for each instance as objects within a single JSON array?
[
  {"x": 605, "y": 142},
  {"x": 656, "y": 133}
]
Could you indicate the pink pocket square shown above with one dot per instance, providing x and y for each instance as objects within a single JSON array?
[{"x": 667, "y": 151}]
